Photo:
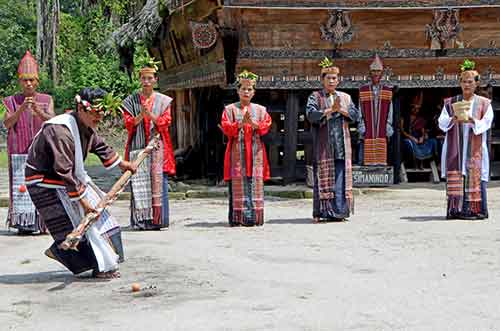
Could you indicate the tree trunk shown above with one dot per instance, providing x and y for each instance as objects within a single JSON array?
[
  {"x": 56, "y": 9},
  {"x": 48, "y": 13},
  {"x": 41, "y": 13}
]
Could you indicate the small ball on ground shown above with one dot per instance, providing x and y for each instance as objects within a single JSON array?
[{"x": 136, "y": 287}]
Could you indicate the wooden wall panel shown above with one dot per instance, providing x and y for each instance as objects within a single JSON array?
[
  {"x": 288, "y": 28},
  {"x": 186, "y": 119},
  {"x": 357, "y": 3},
  {"x": 427, "y": 66},
  {"x": 480, "y": 27}
]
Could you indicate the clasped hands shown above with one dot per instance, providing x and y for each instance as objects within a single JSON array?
[
  {"x": 247, "y": 119},
  {"x": 145, "y": 112},
  {"x": 334, "y": 109},
  {"x": 29, "y": 102}
]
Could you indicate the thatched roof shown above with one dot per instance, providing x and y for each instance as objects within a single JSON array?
[{"x": 144, "y": 25}]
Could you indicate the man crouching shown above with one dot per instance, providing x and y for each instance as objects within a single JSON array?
[{"x": 63, "y": 193}]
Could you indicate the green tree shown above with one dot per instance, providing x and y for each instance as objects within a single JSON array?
[
  {"x": 85, "y": 55},
  {"x": 17, "y": 34}
]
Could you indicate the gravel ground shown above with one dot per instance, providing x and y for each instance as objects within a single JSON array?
[{"x": 396, "y": 265}]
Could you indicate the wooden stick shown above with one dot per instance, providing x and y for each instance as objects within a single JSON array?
[{"x": 73, "y": 239}]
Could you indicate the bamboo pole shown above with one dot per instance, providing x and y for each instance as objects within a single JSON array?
[{"x": 73, "y": 239}]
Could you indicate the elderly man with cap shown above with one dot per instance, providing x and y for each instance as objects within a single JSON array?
[
  {"x": 465, "y": 162},
  {"x": 25, "y": 115},
  {"x": 330, "y": 112},
  {"x": 147, "y": 113},
  {"x": 63, "y": 193},
  {"x": 375, "y": 124}
]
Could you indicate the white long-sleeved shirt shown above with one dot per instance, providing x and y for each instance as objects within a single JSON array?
[{"x": 479, "y": 127}]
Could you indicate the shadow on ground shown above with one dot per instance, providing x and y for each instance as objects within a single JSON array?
[
  {"x": 8, "y": 233},
  {"x": 48, "y": 277},
  {"x": 291, "y": 221},
  {"x": 424, "y": 218},
  {"x": 128, "y": 228},
  {"x": 208, "y": 225}
]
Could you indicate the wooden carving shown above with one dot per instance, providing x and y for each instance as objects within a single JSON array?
[
  {"x": 444, "y": 29},
  {"x": 338, "y": 29},
  {"x": 204, "y": 34}
]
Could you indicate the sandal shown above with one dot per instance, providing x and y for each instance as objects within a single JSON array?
[{"x": 106, "y": 275}]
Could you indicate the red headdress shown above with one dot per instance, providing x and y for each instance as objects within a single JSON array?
[{"x": 28, "y": 67}]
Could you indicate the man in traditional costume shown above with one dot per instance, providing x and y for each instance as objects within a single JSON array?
[
  {"x": 465, "y": 162},
  {"x": 63, "y": 193},
  {"x": 25, "y": 115},
  {"x": 147, "y": 113},
  {"x": 245, "y": 162},
  {"x": 330, "y": 112},
  {"x": 375, "y": 124}
]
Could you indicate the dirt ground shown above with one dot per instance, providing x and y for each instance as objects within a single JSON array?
[{"x": 396, "y": 265}]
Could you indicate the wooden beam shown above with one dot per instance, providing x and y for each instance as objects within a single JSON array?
[
  {"x": 290, "y": 148},
  {"x": 358, "y": 4},
  {"x": 396, "y": 139}
]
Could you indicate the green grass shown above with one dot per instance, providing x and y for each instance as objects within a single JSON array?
[
  {"x": 92, "y": 160},
  {"x": 3, "y": 159}
]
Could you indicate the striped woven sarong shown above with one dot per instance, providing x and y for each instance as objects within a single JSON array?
[
  {"x": 20, "y": 136},
  {"x": 147, "y": 184},
  {"x": 98, "y": 234},
  {"x": 375, "y": 151},
  {"x": 61, "y": 215},
  {"x": 141, "y": 189},
  {"x": 326, "y": 164},
  {"x": 460, "y": 188},
  {"x": 23, "y": 213},
  {"x": 375, "y": 112},
  {"x": 246, "y": 193}
]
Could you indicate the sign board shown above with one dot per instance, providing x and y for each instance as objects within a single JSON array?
[{"x": 365, "y": 176}]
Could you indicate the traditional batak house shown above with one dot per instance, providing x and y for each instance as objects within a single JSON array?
[{"x": 203, "y": 43}]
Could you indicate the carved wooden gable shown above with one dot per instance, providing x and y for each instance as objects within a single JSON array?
[
  {"x": 444, "y": 29},
  {"x": 338, "y": 29}
]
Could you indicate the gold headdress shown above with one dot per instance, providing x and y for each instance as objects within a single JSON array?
[
  {"x": 327, "y": 67},
  {"x": 150, "y": 67},
  {"x": 247, "y": 78}
]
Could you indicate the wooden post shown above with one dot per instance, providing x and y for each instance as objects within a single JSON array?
[
  {"x": 434, "y": 172},
  {"x": 173, "y": 124},
  {"x": 290, "y": 148},
  {"x": 491, "y": 151},
  {"x": 397, "y": 135},
  {"x": 273, "y": 150}
]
